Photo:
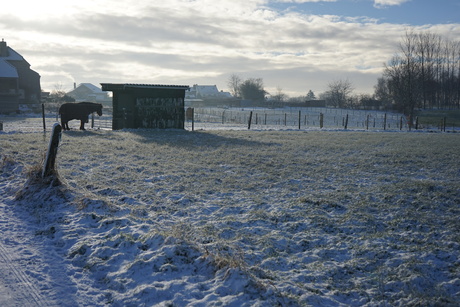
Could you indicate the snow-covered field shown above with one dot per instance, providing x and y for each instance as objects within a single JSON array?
[{"x": 231, "y": 218}]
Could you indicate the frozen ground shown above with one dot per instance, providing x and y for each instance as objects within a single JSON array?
[{"x": 231, "y": 218}]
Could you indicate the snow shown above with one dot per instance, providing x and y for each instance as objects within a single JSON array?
[{"x": 230, "y": 218}]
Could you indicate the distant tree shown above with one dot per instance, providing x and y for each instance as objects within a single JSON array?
[
  {"x": 279, "y": 97},
  {"x": 253, "y": 89},
  {"x": 382, "y": 91},
  {"x": 310, "y": 95},
  {"x": 424, "y": 73},
  {"x": 403, "y": 75},
  {"x": 59, "y": 95},
  {"x": 339, "y": 93},
  {"x": 234, "y": 83}
]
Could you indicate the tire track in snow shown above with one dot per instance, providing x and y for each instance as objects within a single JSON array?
[{"x": 16, "y": 288}]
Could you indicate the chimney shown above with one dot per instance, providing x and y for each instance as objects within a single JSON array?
[{"x": 3, "y": 49}]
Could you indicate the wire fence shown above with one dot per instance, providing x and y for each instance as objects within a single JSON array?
[
  {"x": 295, "y": 118},
  {"x": 213, "y": 118}
]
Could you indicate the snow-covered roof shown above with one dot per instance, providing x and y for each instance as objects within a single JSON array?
[
  {"x": 92, "y": 87},
  {"x": 7, "y": 70},
  {"x": 12, "y": 56},
  {"x": 206, "y": 89}
]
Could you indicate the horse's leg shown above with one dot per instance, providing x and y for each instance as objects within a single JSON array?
[
  {"x": 82, "y": 124},
  {"x": 65, "y": 124}
]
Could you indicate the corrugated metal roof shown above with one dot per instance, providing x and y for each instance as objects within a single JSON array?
[
  {"x": 7, "y": 70},
  {"x": 122, "y": 86}
]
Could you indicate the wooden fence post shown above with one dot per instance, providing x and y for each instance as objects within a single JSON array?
[
  {"x": 300, "y": 118},
  {"x": 43, "y": 115},
  {"x": 193, "y": 119},
  {"x": 250, "y": 119},
  {"x": 346, "y": 122},
  {"x": 321, "y": 120},
  {"x": 48, "y": 165},
  {"x": 385, "y": 122},
  {"x": 367, "y": 122}
]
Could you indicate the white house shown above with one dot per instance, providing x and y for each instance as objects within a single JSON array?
[
  {"x": 206, "y": 92},
  {"x": 89, "y": 92}
]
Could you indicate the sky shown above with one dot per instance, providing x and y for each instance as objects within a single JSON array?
[{"x": 293, "y": 45}]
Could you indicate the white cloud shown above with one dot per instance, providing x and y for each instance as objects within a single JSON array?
[
  {"x": 303, "y": 1},
  {"x": 385, "y": 3},
  {"x": 201, "y": 41}
]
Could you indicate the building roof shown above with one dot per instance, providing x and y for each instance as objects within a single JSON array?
[
  {"x": 7, "y": 70},
  {"x": 123, "y": 86},
  {"x": 9, "y": 53},
  {"x": 92, "y": 87}
]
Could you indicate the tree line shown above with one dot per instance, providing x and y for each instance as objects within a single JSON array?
[{"x": 424, "y": 73}]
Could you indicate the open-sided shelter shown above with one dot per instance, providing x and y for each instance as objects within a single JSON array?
[{"x": 147, "y": 105}]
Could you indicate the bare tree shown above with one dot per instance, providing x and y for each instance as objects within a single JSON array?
[
  {"x": 381, "y": 91},
  {"x": 339, "y": 93},
  {"x": 425, "y": 72},
  {"x": 279, "y": 97},
  {"x": 234, "y": 83},
  {"x": 60, "y": 95}
]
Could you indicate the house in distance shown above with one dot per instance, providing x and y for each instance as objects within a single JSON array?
[
  {"x": 19, "y": 85},
  {"x": 89, "y": 92},
  {"x": 147, "y": 105}
]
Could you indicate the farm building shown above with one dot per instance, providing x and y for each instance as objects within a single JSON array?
[
  {"x": 147, "y": 105},
  {"x": 89, "y": 92},
  {"x": 18, "y": 83}
]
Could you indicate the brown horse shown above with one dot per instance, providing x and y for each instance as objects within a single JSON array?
[{"x": 80, "y": 111}]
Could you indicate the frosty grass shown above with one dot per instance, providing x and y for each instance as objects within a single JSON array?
[{"x": 247, "y": 218}]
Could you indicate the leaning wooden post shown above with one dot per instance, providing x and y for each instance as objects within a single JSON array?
[
  {"x": 250, "y": 119},
  {"x": 43, "y": 115},
  {"x": 321, "y": 120},
  {"x": 346, "y": 122},
  {"x": 48, "y": 165}
]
